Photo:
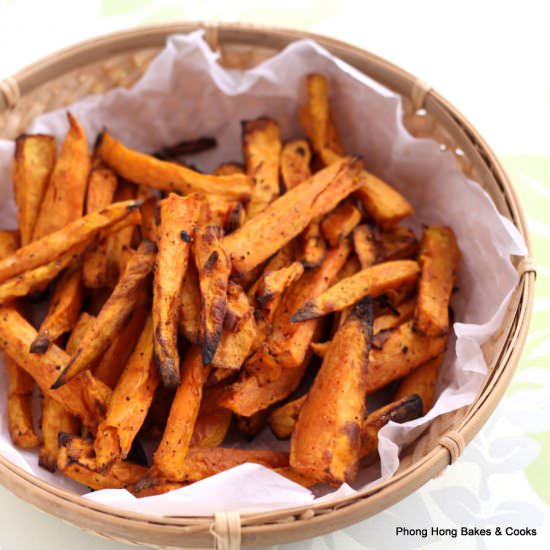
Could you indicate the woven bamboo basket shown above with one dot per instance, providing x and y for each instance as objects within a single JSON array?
[{"x": 119, "y": 59}]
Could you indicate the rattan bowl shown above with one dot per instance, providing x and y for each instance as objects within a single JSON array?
[{"x": 119, "y": 59}]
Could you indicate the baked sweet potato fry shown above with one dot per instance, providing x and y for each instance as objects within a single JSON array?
[
  {"x": 214, "y": 268},
  {"x": 295, "y": 161},
  {"x": 229, "y": 169},
  {"x": 326, "y": 443},
  {"x": 84, "y": 470},
  {"x": 190, "y": 306},
  {"x": 170, "y": 457},
  {"x": 250, "y": 426},
  {"x": 178, "y": 216},
  {"x": 63, "y": 200},
  {"x": 288, "y": 344},
  {"x": 339, "y": 223},
  {"x": 167, "y": 176},
  {"x": 129, "y": 403},
  {"x": 382, "y": 202},
  {"x": 56, "y": 244},
  {"x": 364, "y": 244},
  {"x": 85, "y": 396},
  {"x": 213, "y": 421},
  {"x": 375, "y": 280},
  {"x": 19, "y": 399},
  {"x": 114, "y": 360},
  {"x": 397, "y": 243},
  {"x": 262, "y": 152},
  {"x": 65, "y": 306},
  {"x": 113, "y": 316},
  {"x": 403, "y": 350},
  {"x": 239, "y": 330},
  {"x": 422, "y": 381},
  {"x": 402, "y": 312},
  {"x": 282, "y": 420},
  {"x": 314, "y": 246},
  {"x": 236, "y": 217},
  {"x": 260, "y": 237},
  {"x": 438, "y": 258},
  {"x": 38, "y": 278},
  {"x": 205, "y": 462},
  {"x": 400, "y": 410},
  {"x": 32, "y": 167},
  {"x": 101, "y": 189}
]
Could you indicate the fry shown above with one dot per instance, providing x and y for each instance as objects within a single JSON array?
[
  {"x": 314, "y": 246},
  {"x": 295, "y": 161},
  {"x": 273, "y": 284},
  {"x": 288, "y": 344},
  {"x": 113, "y": 316},
  {"x": 114, "y": 360},
  {"x": 364, "y": 244},
  {"x": 213, "y": 421},
  {"x": 403, "y": 312},
  {"x": 64, "y": 197},
  {"x": 32, "y": 167},
  {"x": 438, "y": 258},
  {"x": 375, "y": 280},
  {"x": 229, "y": 169},
  {"x": 397, "y": 243},
  {"x": 178, "y": 217},
  {"x": 34, "y": 279},
  {"x": 129, "y": 403},
  {"x": 64, "y": 308},
  {"x": 235, "y": 217},
  {"x": 262, "y": 151},
  {"x": 158, "y": 489},
  {"x": 422, "y": 381},
  {"x": 149, "y": 214},
  {"x": 20, "y": 388},
  {"x": 84, "y": 396},
  {"x": 168, "y": 176},
  {"x": 326, "y": 443},
  {"x": 170, "y": 457},
  {"x": 214, "y": 268},
  {"x": 239, "y": 330},
  {"x": 282, "y": 420},
  {"x": 56, "y": 244},
  {"x": 101, "y": 188},
  {"x": 260, "y": 237},
  {"x": 401, "y": 410},
  {"x": 84, "y": 470},
  {"x": 190, "y": 306},
  {"x": 55, "y": 420},
  {"x": 340, "y": 222},
  {"x": 318, "y": 110},
  {"x": 404, "y": 350},
  {"x": 205, "y": 462}
]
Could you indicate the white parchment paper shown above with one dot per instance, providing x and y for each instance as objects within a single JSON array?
[{"x": 185, "y": 94}]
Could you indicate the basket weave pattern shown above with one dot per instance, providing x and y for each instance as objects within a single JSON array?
[{"x": 425, "y": 115}]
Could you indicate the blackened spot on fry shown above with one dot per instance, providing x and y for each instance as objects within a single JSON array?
[
  {"x": 185, "y": 236},
  {"x": 301, "y": 151},
  {"x": 211, "y": 261},
  {"x": 352, "y": 430},
  {"x": 405, "y": 349},
  {"x": 99, "y": 140},
  {"x": 158, "y": 217},
  {"x": 407, "y": 409}
]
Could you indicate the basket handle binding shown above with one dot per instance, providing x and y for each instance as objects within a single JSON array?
[
  {"x": 9, "y": 93},
  {"x": 226, "y": 530}
]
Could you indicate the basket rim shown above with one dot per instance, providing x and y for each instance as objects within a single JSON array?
[{"x": 437, "y": 459}]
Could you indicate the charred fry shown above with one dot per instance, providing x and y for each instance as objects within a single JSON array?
[
  {"x": 213, "y": 267},
  {"x": 262, "y": 151},
  {"x": 326, "y": 442},
  {"x": 64, "y": 197},
  {"x": 113, "y": 316},
  {"x": 286, "y": 217},
  {"x": 176, "y": 231},
  {"x": 374, "y": 281},
  {"x": 168, "y": 176},
  {"x": 33, "y": 164},
  {"x": 438, "y": 259}
]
